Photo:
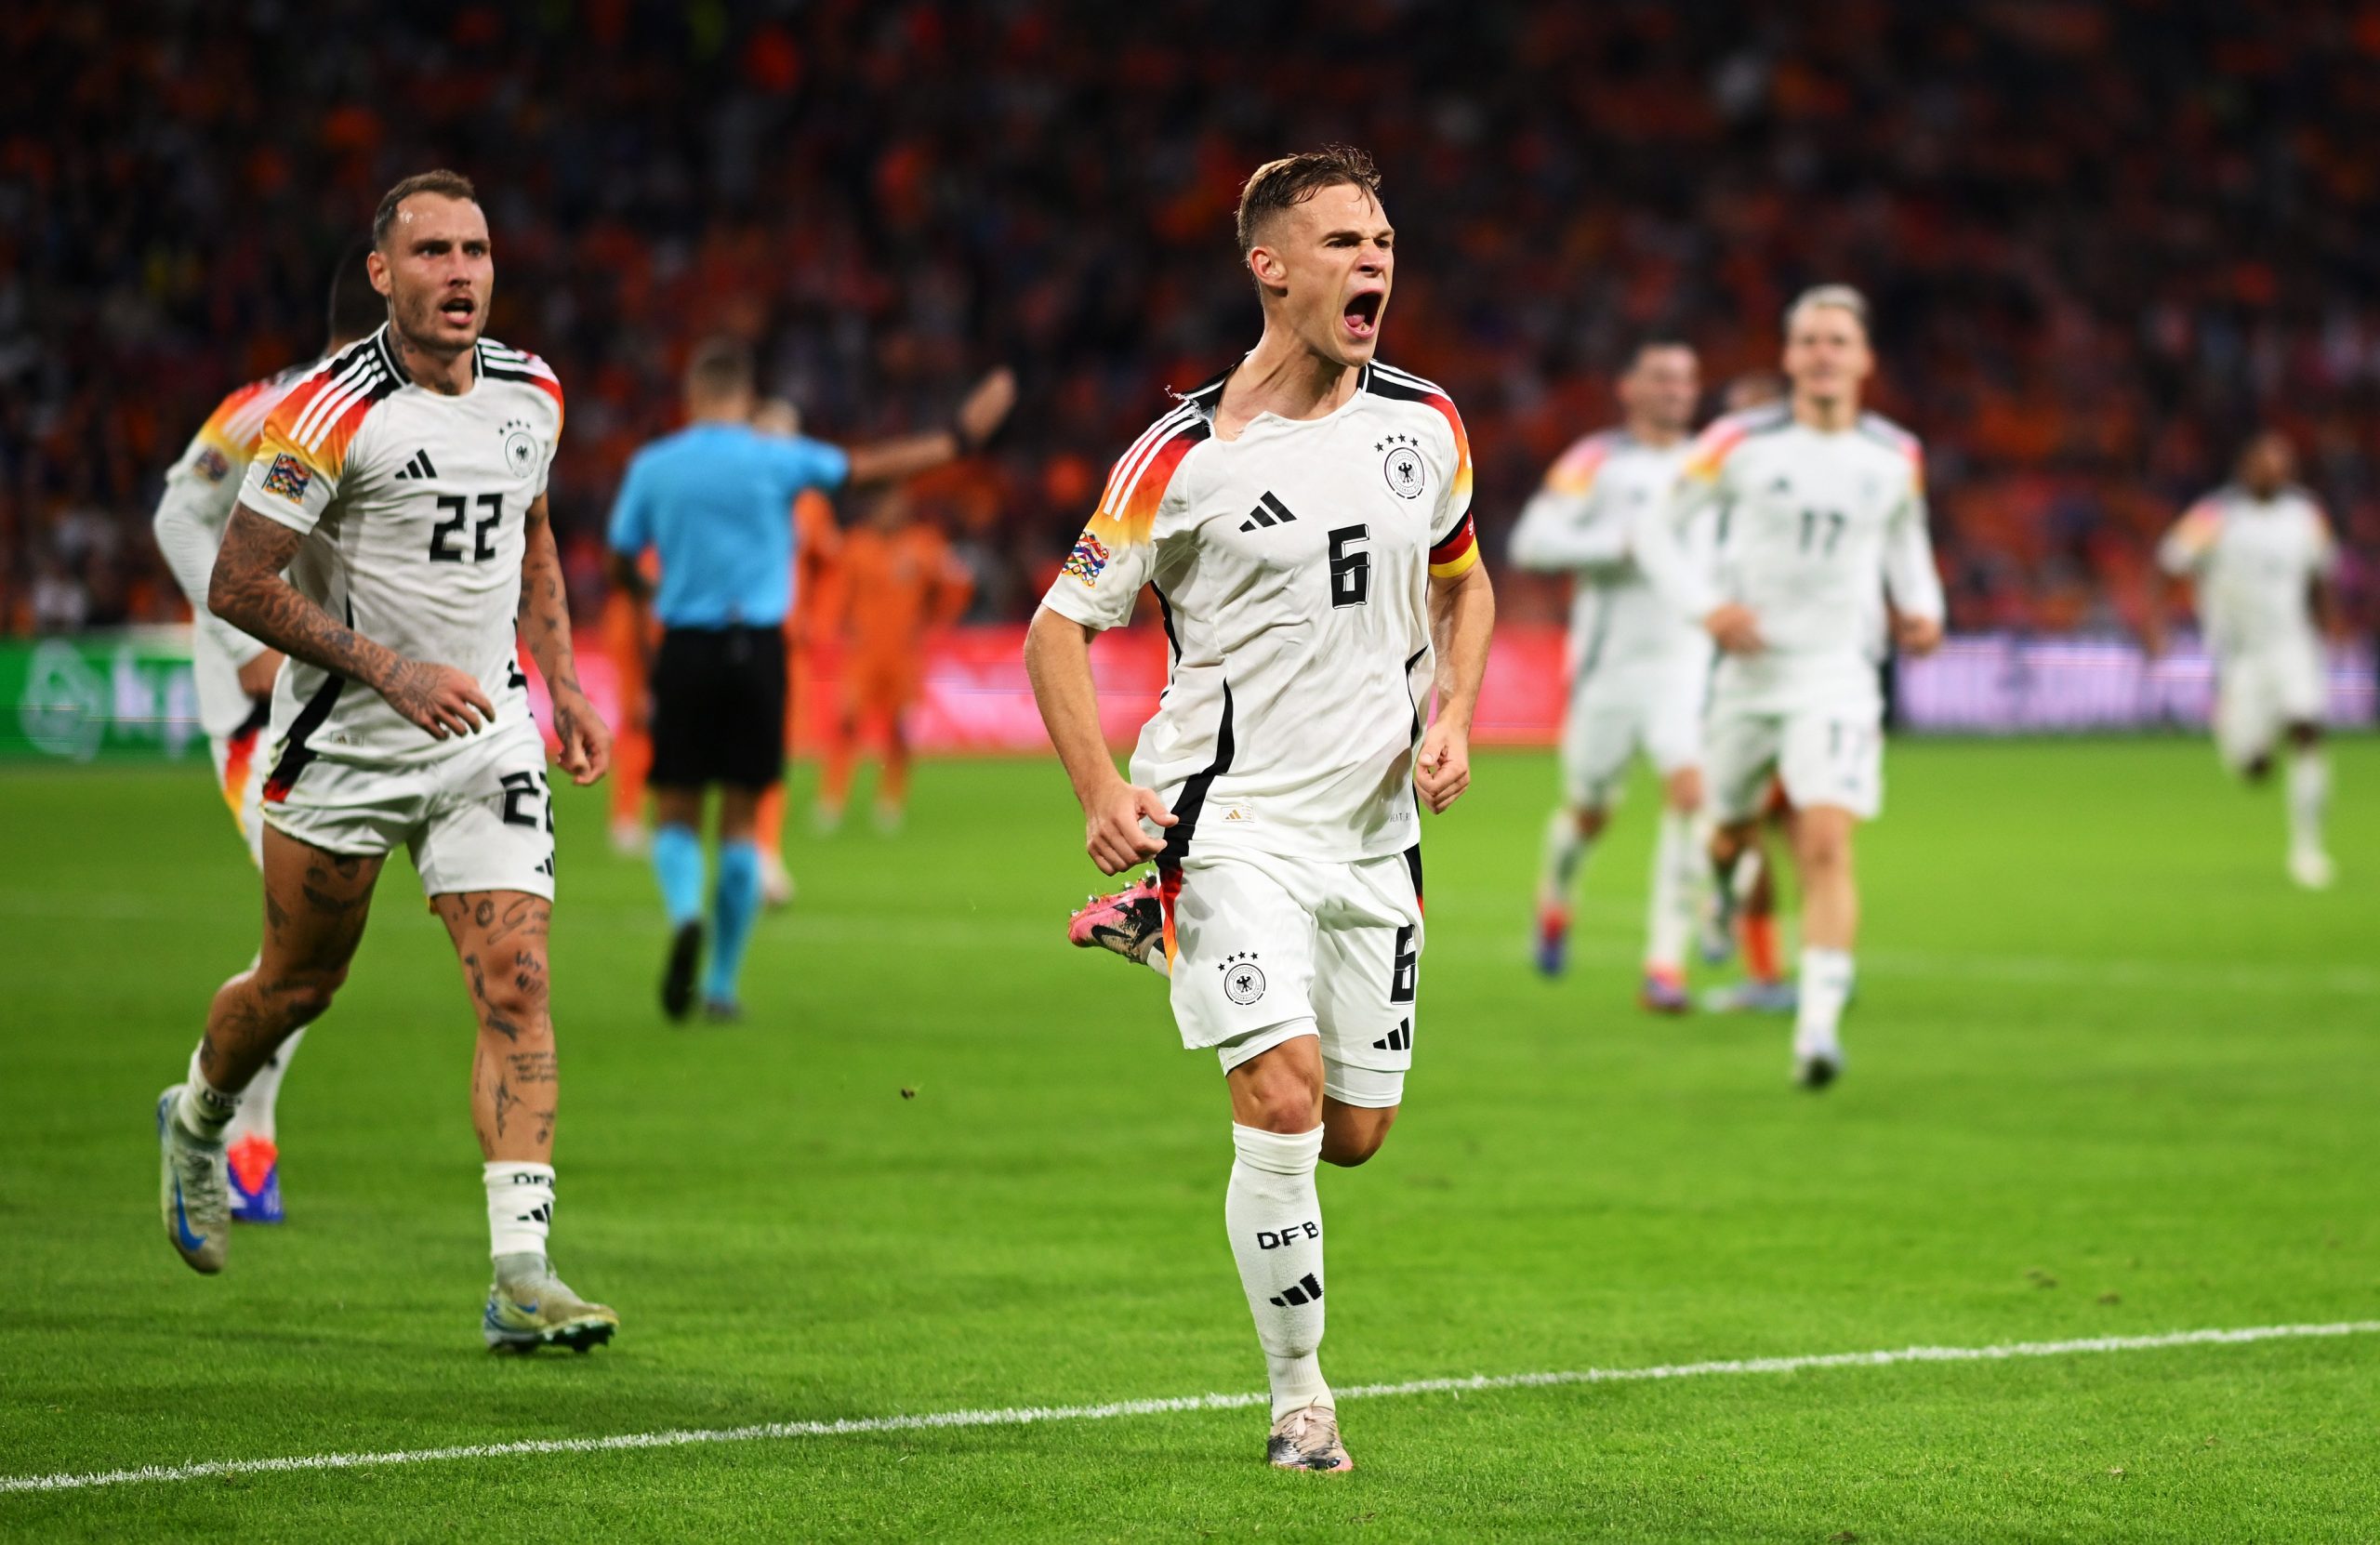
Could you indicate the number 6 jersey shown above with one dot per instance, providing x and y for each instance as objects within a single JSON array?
[
  {"x": 1292, "y": 565},
  {"x": 412, "y": 503}
]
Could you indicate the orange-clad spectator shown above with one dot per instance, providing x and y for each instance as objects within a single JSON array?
[
  {"x": 629, "y": 637},
  {"x": 896, "y": 582}
]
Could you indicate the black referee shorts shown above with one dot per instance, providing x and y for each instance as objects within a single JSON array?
[{"x": 719, "y": 708}]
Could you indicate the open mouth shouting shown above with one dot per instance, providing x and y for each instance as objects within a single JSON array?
[
  {"x": 1359, "y": 317},
  {"x": 459, "y": 311}
]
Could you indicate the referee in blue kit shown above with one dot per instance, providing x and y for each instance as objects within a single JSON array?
[{"x": 715, "y": 502}]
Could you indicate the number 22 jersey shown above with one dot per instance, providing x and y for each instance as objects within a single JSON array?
[
  {"x": 413, "y": 505},
  {"x": 1292, "y": 565}
]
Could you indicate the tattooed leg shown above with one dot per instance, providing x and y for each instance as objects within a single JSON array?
[
  {"x": 500, "y": 942},
  {"x": 315, "y": 904}
]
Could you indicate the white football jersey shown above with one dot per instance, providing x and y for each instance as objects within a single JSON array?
[
  {"x": 414, "y": 505},
  {"x": 1602, "y": 517},
  {"x": 2255, "y": 561},
  {"x": 201, "y": 488},
  {"x": 1293, "y": 566},
  {"x": 1812, "y": 531}
]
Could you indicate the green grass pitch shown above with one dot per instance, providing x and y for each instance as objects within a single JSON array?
[{"x": 2111, "y": 1076}]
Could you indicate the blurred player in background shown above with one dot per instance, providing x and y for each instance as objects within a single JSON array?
[
  {"x": 234, "y": 674},
  {"x": 1819, "y": 512},
  {"x": 897, "y": 583},
  {"x": 715, "y": 502},
  {"x": 1305, "y": 518},
  {"x": 402, "y": 486},
  {"x": 1638, "y": 666},
  {"x": 1743, "y": 902},
  {"x": 817, "y": 541},
  {"x": 2260, "y": 554}
]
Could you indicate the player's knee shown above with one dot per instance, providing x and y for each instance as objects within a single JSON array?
[
  {"x": 304, "y": 996},
  {"x": 1590, "y": 820},
  {"x": 1685, "y": 791},
  {"x": 1824, "y": 848}
]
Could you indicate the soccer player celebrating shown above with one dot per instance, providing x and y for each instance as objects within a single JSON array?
[
  {"x": 1637, "y": 666},
  {"x": 715, "y": 502},
  {"x": 234, "y": 675},
  {"x": 2262, "y": 556},
  {"x": 1304, "y": 518},
  {"x": 1821, "y": 514},
  {"x": 401, "y": 485}
]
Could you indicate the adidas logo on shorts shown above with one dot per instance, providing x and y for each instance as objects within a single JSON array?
[{"x": 1399, "y": 1039}]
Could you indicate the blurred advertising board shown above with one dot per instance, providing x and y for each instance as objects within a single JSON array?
[{"x": 129, "y": 695}]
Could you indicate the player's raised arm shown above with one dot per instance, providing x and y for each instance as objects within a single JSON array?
[
  {"x": 978, "y": 418},
  {"x": 249, "y": 592},
  {"x": 1057, "y": 660},
  {"x": 544, "y": 619}
]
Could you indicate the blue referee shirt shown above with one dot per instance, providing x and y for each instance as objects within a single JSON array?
[{"x": 716, "y": 500}]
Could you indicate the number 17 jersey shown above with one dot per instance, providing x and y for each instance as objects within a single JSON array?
[
  {"x": 1292, "y": 565},
  {"x": 414, "y": 507}
]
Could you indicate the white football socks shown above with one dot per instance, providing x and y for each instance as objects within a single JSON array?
[
  {"x": 520, "y": 1206},
  {"x": 1677, "y": 867},
  {"x": 1565, "y": 853},
  {"x": 2310, "y": 796},
  {"x": 257, "y": 1101},
  {"x": 1276, "y": 1222},
  {"x": 1826, "y": 987},
  {"x": 205, "y": 1110}
]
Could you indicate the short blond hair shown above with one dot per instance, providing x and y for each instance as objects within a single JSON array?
[{"x": 1840, "y": 298}]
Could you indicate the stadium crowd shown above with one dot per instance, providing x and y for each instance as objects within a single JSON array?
[{"x": 2104, "y": 239}]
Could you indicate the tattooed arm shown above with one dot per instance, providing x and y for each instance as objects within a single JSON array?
[
  {"x": 545, "y": 627},
  {"x": 248, "y": 592}
]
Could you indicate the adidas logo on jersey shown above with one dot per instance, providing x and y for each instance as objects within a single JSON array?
[
  {"x": 1306, "y": 1290},
  {"x": 418, "y": 466},
  {"x": 1399, "y": 1039},
  {"x": 1269, "y": 511}
]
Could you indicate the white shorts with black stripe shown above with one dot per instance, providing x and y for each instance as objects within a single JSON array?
[
  {"x": 1266, "y": 948},
  {"x": 479, "y": 818}
]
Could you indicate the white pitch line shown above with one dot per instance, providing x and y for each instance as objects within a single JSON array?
[{"x": 1025, "y": 1416}]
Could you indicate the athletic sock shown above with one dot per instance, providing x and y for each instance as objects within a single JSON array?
[
  {"x": 203, "y": 1109},
  {"x": 677, "y": 864},
  {"x": 1670, "y": 914},
  {"x": 733, "y": 905},
  {"x": 520, "y": 1206},
  {"x": 2309, "y": 795},
  {"x": 1826, "y": 987},
  {"x": 254, "y": 1117},
  {"x": 1276, "y": 1222},
  {"x": 1760, "y": 946},
  {"x": 1566, "y": 854}
]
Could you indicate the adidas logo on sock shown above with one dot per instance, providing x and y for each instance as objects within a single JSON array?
[
  {"x": 1399, "y": 1039},
  {"x": 418, "y": 466},
  {"x": 1269, "y": 511},
  {"x": 1304, "y": 1291}
]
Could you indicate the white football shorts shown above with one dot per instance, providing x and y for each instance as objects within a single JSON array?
[
  {"x": 2259, "y": 693},
  {"x": 1650, "y": 706},
  {"x": 479, "y": 818},
  {"x": 1265, "y": 949},
  {"x": 1824, "y": 756}
]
